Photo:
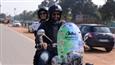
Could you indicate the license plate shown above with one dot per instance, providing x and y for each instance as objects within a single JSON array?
[{"x": 104, "y": 40}]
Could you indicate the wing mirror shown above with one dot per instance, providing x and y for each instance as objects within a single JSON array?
[{"x": 41, "y": 32}]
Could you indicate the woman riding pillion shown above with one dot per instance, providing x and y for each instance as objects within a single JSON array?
[{"x": 42, "y": 14}]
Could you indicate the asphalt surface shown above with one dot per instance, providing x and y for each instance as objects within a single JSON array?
[{"x": 15, "y": 49}]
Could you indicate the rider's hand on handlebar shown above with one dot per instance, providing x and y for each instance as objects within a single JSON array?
[{"x": 44, "y": 45}]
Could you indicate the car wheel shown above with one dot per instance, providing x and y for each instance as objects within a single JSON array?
[
  {"x": 28, "y": 30},
  {"x": 108, "y": 49},
  {"x": 89, "y": 46}
]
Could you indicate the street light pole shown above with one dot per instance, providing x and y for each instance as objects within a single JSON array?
[
  {"x": 0, "y": 8},
  {"x": 14, "y": 13}
]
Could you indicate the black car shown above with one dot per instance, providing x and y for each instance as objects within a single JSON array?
[{"x": 97, "y": 35}]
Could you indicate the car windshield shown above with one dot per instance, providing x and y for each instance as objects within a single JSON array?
[
  {"x": 16, "y": 22},
  {"x": 102, "y": 29}
]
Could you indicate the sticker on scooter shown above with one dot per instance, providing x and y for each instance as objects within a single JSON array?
[{"x": 69, "y": 40}]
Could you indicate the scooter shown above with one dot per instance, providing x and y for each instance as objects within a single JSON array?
[{"x": 63, "y": 58}]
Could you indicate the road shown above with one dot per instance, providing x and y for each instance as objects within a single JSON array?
[{"x": 15, "y": 49}]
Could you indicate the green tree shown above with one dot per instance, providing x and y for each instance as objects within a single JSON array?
[
  {"x": 2, "y": 15},
  {"x": 25, "y": 15},
  {"x": 44, "y": 3},
  {"x": 86, "y": 7},
  {"x": 108, "y": 10}
]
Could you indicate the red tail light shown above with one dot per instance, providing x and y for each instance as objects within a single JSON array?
[
  {"x": 90, "y": 35},
  {"x": 114, "y": 36}
]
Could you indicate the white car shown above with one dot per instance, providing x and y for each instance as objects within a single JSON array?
[
  {"x": 16, "y": 24},
  {"x": 34, "y": 26}
]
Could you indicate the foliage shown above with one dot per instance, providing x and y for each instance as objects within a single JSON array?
[
  {"x": 45, "y": 3},
  {"x": 2, "y": 15},
  {"x": 108, "y": 10},
  {"x": 86, "y": 7},
  {"x": 71, "y": 8},
  {"x": 25, "y": 16}
]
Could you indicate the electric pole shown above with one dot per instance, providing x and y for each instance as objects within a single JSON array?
[{"x": 0, "y": 8}]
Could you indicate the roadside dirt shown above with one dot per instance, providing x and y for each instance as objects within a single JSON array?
[{"x": 96, "y": 56}]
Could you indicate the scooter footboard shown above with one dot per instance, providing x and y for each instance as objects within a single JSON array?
[
  {"x": 56, "y": 60},
  {"x": 74, "y": 59},
  {"x": 71, "y": 59}
]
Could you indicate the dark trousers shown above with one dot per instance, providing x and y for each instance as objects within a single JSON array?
[{"x": 38, "y": 61}]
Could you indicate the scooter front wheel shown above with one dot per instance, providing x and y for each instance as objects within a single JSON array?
[{"x": 76, "y": 63}]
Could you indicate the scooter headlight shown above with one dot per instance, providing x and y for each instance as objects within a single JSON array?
[{"x": 44, "y": 56}]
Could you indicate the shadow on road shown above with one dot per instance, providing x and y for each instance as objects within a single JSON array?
[
  {"x": 95, "y": 50},
  {"x": 26, "y": 32}
]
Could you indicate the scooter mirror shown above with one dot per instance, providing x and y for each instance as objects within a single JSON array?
[{"x": 41, "y": 32}]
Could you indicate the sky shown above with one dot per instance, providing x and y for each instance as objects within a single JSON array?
[{"x": 15, "y": 7}]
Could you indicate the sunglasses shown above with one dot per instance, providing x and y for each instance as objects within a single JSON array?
[
  {"x": 42, "y": 13},
  {"x": 55, "y": 14}
]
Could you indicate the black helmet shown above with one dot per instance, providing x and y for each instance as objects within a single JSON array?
[
  {"x": 54, "y": 8},
  {"x": 42, "y": 9}
]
